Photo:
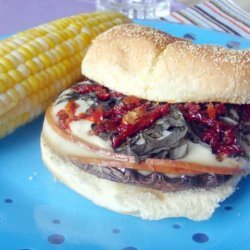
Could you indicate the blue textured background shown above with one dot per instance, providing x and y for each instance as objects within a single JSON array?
[{"x": 37, "y": 212}]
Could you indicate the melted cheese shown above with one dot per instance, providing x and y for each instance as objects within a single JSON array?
[
  {"x": 202, "y": 155},
  {"x": 81, "y": 129},
  {"x": 64, "y": 146},
  {"x": 197, "y": 153}
]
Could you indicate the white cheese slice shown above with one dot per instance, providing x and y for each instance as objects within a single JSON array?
[{"x": 82, "y": 129}]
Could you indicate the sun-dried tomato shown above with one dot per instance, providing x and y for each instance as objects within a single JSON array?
[
  {"x": 68, "y": 114},
  {"x": 97, "y": 115},
  {"x": 84, "y": 88},
  {"x": 216, "y": 133},
  {"x": 63, "y": 119},
  {"x": 211, "y": 111},
  {"x": 124, "y": 130},
  {"x": 131, "y": 100},
  {"x": 71, "y": 108}
]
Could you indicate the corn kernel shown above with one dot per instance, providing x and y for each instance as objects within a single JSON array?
[
  {"x": 51, "y": 57},
  {"x": 3, "y": 51},
  {"x": 13, "y": 59},
  {"x": 13, "y": 94},
  {"x": 15, "y": 75},
  {"x": 38, "y": 62},
  {"x": 25, "y": 52},
  {"x": 32, "y": 49},
  {"x": 37, "y": 45},
  {"x": 60, "y": 53},
  {"x": 23, "y": 70},
  {"x": 5, "y": 62},
  {"x": 33, "y": 82},
  {"x": 49, "y": 41},
  {"x": 53, "y": 73},
  {"x": 27, "y": 86},
  {"x": 7, "y": 47},
  {"x": 64, "y": 49},
  {"x": 45, "y": 60},
  {"x": 6, "y": 80},
  {"x": 32, "y": 66},
  {"x": 73, "y": 28},
  {"x": 59, "y": 56},
  {"x": 18, "y": 41},
  {"x": 20, "y": 57},
  {"x": 42, "y": 42},
  {"x": 54, "y": 37},
  {"x": 21, "y": 90},
  {"x": 45, "y": 76}
]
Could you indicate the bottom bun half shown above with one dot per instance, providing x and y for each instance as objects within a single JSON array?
[{"x": 196, "y": 204}]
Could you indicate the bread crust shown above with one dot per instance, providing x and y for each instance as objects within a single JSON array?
[
  {"x": 196, "y": 204},
  {"x": 140, "y": 61}
]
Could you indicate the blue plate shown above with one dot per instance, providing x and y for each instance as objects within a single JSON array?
[{"x": 36, "y": 212}]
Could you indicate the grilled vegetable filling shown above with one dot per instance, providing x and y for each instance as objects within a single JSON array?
[
  {"x": 147, "y": 129},
  {"x": 158, "y": 181}
]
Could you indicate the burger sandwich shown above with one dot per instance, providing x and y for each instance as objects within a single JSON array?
[{"x": 159, "y": 127}]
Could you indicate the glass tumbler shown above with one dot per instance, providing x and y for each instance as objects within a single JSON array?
[{"x": 138, "y": 9}]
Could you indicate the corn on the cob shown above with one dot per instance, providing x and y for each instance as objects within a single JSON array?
[{"x": 37, "y": 64}]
